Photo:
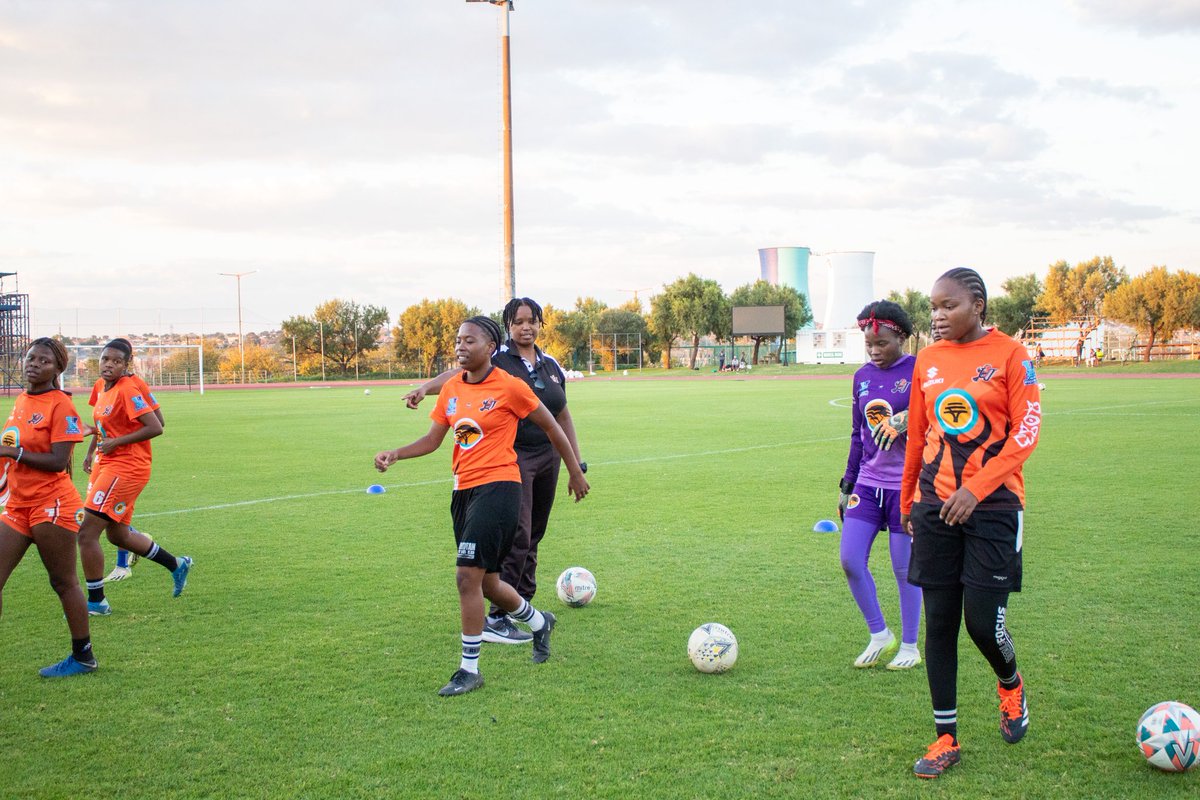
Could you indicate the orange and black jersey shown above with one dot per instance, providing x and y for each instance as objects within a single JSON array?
[{"x": 974, "y": 417}]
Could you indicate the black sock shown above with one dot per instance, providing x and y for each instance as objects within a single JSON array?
[
  {"x": 82, "y": 650},
  {"x": 160, "y": 556},
  {"x": 1012, "y": 682},
  {"x": 95, "y": 591}
]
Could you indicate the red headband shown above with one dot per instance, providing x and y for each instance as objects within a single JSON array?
[{"x": 875, "y": 323}]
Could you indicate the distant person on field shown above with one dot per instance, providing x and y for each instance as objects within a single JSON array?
[
  {"x": 537, "y": 459},
  {"x": 119, "y": 459},
  {"x": 721, "y": 361},
  {"x": 483, "y": 405},
  {"x": 869, "y": 499},
  {"x": 1041, "y": 355},
  {"x": 40, "y": 500},
  {"x": 974, "y": 418}
]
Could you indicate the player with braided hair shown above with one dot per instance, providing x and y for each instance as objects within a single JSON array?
[
  {"x": 870, "y": 487},
  {"x": 483, "y": 405},
  {"x": 41, "y": 502},
  {"x": 975, "y": 415}
]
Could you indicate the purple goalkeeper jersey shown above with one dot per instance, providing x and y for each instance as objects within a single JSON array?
[{"x": 878, "y": 394}]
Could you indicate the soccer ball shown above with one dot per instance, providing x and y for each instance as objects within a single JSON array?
[
  {"x": 712, "y": 647},
  {"x": 366, "y": 391},
  {"x": 1169, "y": 736},
  {"x": 576, "y": 586}
]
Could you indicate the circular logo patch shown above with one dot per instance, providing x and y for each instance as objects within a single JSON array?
[
  {"x": 119, "y": 509},
  {"x": 852, "y": 502},
  {"x": 11, "y": 437},
  {"x": 467, "y": 433},
  {"x": 956, "y": 411},
  {"x": 79, "y": 517},
  {"x": 877, "y": 412}
]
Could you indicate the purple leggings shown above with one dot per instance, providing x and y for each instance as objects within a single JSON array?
[{"x": 857, "y": 537}]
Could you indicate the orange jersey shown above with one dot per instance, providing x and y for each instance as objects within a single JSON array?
[
  {"x": 142, "y": 387},
  {"x": 484, "y": 417},
  {"x": 974, "y": 416},
  {"x": 116, "y": 413},
  {"x": 37, "y": 422}
]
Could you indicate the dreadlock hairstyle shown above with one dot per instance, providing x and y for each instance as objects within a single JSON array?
[
  {"x": 124, "y": 346},
  {"x": 969, "y": 279},
  {"x": 509, "y": 315},
  {"x": 490, "y": 328},
  {"x": 61, "y": 357},
  {"x": 885, "y": 314}
]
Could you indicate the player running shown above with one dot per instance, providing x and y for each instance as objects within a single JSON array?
[
  {"x": 483, "y": 405},
  {"x": 124, "y": 425},
  {"x": 870, "y": 488},
  {"x": 975, "y": 413},
  {"x": 41, "y": 502}
]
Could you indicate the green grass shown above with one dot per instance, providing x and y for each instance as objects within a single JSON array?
[{"x": 303, "y": 660}]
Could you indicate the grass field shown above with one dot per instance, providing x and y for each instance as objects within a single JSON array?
[{"x": 304, "y": 658}]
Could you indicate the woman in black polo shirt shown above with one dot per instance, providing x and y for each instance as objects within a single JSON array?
[{"x": 539, "y": 463}]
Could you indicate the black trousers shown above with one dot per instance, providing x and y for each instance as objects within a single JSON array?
[{"x": 539, "y": 485}]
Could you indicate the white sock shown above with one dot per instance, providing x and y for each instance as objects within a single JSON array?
[
  {"x": 471, "y": 646},
  {"x": 530, "y": 616}
]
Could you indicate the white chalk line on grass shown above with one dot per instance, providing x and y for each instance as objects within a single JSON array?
[{"x": 334, "y": 492}]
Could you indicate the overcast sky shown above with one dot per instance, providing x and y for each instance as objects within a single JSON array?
[{"x": 351, "y": 149}]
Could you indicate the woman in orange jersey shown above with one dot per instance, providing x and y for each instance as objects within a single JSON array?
[
  {"x": 483, "y": 405},
  {"x": 41, "y": 501},
  {"x": 124, "y": 425},
  {"x": 974, "y": 417}
]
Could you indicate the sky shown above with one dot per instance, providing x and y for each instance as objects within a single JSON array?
[{"x": 352, "y": 150}]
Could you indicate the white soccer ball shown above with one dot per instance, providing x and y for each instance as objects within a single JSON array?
[
  {"x": 1169, "y": 736},
  {"x": 576, "y": 586},
  {"x": 712, "y": 647},
  {"x": 366, "y": 391}
]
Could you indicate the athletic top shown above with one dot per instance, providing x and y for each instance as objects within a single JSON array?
[
  {"x": 483, "y": 417},
  {"x": 974, "y": 418},
  {"x": 553, "y": 392},
  {"x": 37, "y": 422},
  {"x": 142, "y": 387},
  {"x": 878, "y": 394},
  {"x": 116, "y": 413}
]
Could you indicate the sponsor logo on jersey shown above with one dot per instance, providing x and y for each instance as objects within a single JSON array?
[
  {"x": 466, "y": 550},
  {"x": 139, "y": 404},
  {"x": 72, "y": 425},
  {"x": 1031, "y": 423},
  {"x": 1030, "y": 373},
  {"x": 488, "y": 405},
  {"x": 956, "y": 411},
  {"x": 984, "y": 373},
  {"x": 901, "y": 386},
  {"x": 451, "y": 406},
  {"x": 877, "y": 412},
  {"x": 932, "y": 372},
  {"x": 467, "y": 433},
  {"x": 863, "y": 388},
  {"x": 36, "y": 418}
]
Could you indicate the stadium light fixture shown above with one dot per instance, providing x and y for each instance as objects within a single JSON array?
[{"x": 508, "y": 275}]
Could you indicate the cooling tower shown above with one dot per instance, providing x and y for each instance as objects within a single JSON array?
[
  {"x": 850, "y": 285},
  {"x": 786, "y": 266}
]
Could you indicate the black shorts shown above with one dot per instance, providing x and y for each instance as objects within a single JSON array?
[
  {"x": 984, "y": 552},
  {"x": 485, "y": 523}
]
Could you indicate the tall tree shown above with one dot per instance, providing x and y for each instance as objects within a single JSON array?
[
  {"x": 796, "y": 312},
  {"x": 427, "y": 331},
  {"x": 1012, "y": 310},
  {"x": 1076, "y": 294},
  {"x": 697, "y": 307},
  {"x": 343, "y": 329},
  {"x": 1158, "y": 303},
  {"x": 916, "y": 304}
]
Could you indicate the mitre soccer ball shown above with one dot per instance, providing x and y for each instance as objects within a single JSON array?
[
  {"x": 366, "y": 391},
  {"x": 712, "y": 647},
  {"x": 1169, "y": 736},
  {"x": 576, "y": 586}
]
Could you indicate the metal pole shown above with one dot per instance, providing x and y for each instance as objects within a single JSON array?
[
  {"x": 510, "y": 267},
  {"x": 322, "y": 326},
  {"x": 241, "y": 344},
  {"x": 295, "y": 370},
  {"x": 356, "y": 351}
]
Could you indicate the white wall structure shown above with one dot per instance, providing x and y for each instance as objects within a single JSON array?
[
  {"x": 849, "y": 285},
  {"x": 831, "y": 347}
]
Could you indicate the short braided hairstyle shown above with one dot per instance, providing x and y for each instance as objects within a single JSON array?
[
  {"x": 122, "y": 345},
  {"x": 969, "y": 279},
  {"x": 509, "y": 315},
  {"x": 490, "y": 328}
]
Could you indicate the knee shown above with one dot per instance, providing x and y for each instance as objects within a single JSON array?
[
  {"x": 62, "y": 584},
  {"x": 853, "y": 569},
  {"x": 467, "y": 582}
]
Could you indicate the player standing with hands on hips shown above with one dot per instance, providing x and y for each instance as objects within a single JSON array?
[
  {"x": 537, "y": 459},
  {"x": 40, "y": 500},
  {"x": 483, "y": 405},
  {"x": 974, "y": 417},
  {"x": 870, "y": 488}
]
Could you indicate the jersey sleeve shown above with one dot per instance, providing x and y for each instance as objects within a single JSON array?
[
  {"x": 65, "y": 426},
  {"x": 144, "y": 388},
  {"x": 854, "y": 461},
  {"x": 918, "y": 426},
  {"x": 135, "y": 402},
  {"x": 1024, "y": 423},
  {"x": 95, "y": 393},
  {"x": 438, "y": 414}
]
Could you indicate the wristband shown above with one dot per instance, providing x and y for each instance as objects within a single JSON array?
[
  {"x": 583, "y": 467},
  {"x": 20, "y": 453}
]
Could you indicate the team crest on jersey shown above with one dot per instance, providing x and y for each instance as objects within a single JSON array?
[
  {"x": 451, "y": 406},
  {"x": 138, "y": 403},
  {"x": 79, "y": 517},
  {"x": 72, "y": 425},
  {"x": 852, "y": 501},
  {"x": 119, "y": 509},
  {"x": 901, "y": 386},
  {"x": 11, "y": 436},
  {"x": 488, "y": 405},
  {"x": 36, "y": 418},
  {"x": 877, "y": 412},
  {"x": 984, "y": 373},
  {"x": 863, "y": 388},
  {"x": 956, "y": 411},
  {"x": 467, "y": 433},
  {"x": 106, "y": 412},
  {"x": 1030, "y": 373}
]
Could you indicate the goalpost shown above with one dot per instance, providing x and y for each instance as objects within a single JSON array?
[{"x": 148, "y": 362}]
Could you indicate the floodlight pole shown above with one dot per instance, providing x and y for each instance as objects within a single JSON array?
[
  {"x": 508, "y": 275},
  {"x": 241, "y": 344}
]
